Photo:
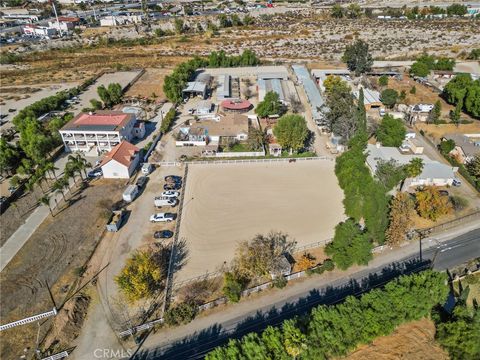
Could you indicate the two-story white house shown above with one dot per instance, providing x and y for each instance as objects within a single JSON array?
[{"x": 100, "y": 131}]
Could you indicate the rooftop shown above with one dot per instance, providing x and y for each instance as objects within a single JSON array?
[
  {"x": 229, "y": 125},
  {"x": 124, "y": 153},
  {"x": 469, "y": 144},
  {"x": 431, "y": 169},
  {"x": 99, "y": 121},
  {"x": 237, "y": 104},
  {"x": 313, "y": 93}
]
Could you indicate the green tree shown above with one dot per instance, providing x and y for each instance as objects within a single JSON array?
[
  {"x": 460, "y": 333},
  {"x": 419, "y": 69},
  {"x": 391, "y": 131},
  {"x": 383, "y": 80},
  {"x": 389, "y": 173},
  {"x": 350, "y": 245},
  {"x": 340, "y": 112},
  {"x": 456, "y": 9},
  {"x": 291, "y": 132},
  {"x": 354, "y": 11},
  {"x": 436, "y": 112},
  {"x": 270, "y": 105},
  {"x": 389, "y": 97},
  {"x": 9, "y": 156},
  {"x": 361, "y": 114},
  {"x": 182, "y": 313},
  {"x": 295, "y": 342},
  {"x": 413, "y": 90},
  {"x": 334, "y": 84},
  {"x": 45, "y": 200},
  {"x": 358, "y": 58},
  {"x": 415, "y": 167},
  {"x": 446, "y": 146},
  {"x": 233, "y": 286}
]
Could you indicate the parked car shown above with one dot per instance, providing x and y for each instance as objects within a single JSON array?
[
  {"x": 170, "y": 194},
  {"x": 456, "y": 182},
  {"x": 172, "y": 186},
  {"x": 95, "y": 173},
  {"x": 443, "y": 192},
  {"x": 163, "y": 234},
  {"x": 173, "y": 178},
  {"x": 12, "y": 189},
  {"x": 147, "y": 168},
  {"x": 165, "y": 201},
  {"x": 141, "y": 181},
  {"x": 162, "y": 217}
]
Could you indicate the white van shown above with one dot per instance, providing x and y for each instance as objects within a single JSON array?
[
  {"x": 165, "y": 201},
  {"x": 130, "y": 193},
  {"x": 147, "y": 168}
]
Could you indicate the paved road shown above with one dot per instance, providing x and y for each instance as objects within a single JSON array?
[{"x": 444, "y": 254}]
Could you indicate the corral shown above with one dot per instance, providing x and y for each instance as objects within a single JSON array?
[{"x": 225, "y": 204}]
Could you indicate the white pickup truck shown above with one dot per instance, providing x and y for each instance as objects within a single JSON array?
[{"x": 165, "y": 201}]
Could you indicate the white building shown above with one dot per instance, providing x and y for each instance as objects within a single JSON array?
[
  {"x": 39, "y": 31},
  {"x": 121, "y": 161},
  {"x": 64, "y": 23},
  {"x": 433, "y": 173},
  {"x": 121, "y": 19},
  {"x": 100, "y": 131}
]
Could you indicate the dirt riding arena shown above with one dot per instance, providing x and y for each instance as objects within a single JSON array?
[{"x": 225, "y": 204}]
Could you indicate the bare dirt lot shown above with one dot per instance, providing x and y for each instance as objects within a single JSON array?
[
  {"x": 149, "y": 84},
  {"x": 226, "y": 204},
  {"x": 58, "y": 247},
  {"x": 412, "y": 341}
]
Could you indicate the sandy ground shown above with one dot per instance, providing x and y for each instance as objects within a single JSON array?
[
  {"x": 151, "y": 82},
  {"x": 226, "y": 204},
  {"x": 121, "y": 77},
  {"x": 60, "y": 245},
  {"x": 10, "y": 99},
  {"x": 437, "y": 131},
  {"x": 412, "y": 341}
]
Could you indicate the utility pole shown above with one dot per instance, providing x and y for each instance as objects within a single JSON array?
[{"x": 56, "y": 16}]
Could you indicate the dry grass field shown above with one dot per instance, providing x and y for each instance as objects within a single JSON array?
[
  {"x": 149, "y": 84},
  {"x": 226, "y": 204},
  {"x": 411, "y": 341}
]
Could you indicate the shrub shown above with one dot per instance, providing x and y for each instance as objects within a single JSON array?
[
  {"x": 328, "y": 265},
  {"x": 181, "y": 314},
  {"x": 279, "y": 282},
  {"x": 233, "y": 286}
]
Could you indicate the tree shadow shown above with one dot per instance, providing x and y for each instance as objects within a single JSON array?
[
  {"x": 180, "y": 255},
  {"x": 199, "y": 344}
]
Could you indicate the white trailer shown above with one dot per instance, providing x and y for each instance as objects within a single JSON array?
[{"x": 130, "y": 193}]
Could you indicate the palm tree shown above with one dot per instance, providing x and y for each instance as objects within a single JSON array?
[
  {"x": 58, "y": 187},
  {"x": 79, "y": 163},
  {"x": 45, "y": 200},
  {"x": 40, "y": 176},
  {"x": 414, "y": 167},
  {"x": 50, "y": 167}
]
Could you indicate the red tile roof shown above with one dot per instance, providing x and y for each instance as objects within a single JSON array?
[
  {"x": 116, "y": 119},
  {"x": 124, "y": 153},
  {"x": 68, "y": 19}
]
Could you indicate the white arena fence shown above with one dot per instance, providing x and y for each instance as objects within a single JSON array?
[
  {"x": 240, "y": 161},
  {"x": 29, "y": 319}
]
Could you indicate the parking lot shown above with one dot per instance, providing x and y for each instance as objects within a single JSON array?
[
  {"x": 137, "y": 231},
  {"x": 225, "y": 204}
]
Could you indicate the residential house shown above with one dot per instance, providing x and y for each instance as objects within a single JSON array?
[
  {"x": 466, "y": 146},
  {"x": 100, "y": 131},
  {"x": 433, "y": 173},
  {"x": 419, "y": 112},
  {"x": 121, "y": 161},
  {"x": 371, "y": 98},
  {"x": 230, "y": 127},
  {"x": 39, "y": 31},
  {"x": 121, "y": 18}
]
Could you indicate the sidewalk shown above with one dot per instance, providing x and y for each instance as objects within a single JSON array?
[{"x": 21, "y": 236}]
